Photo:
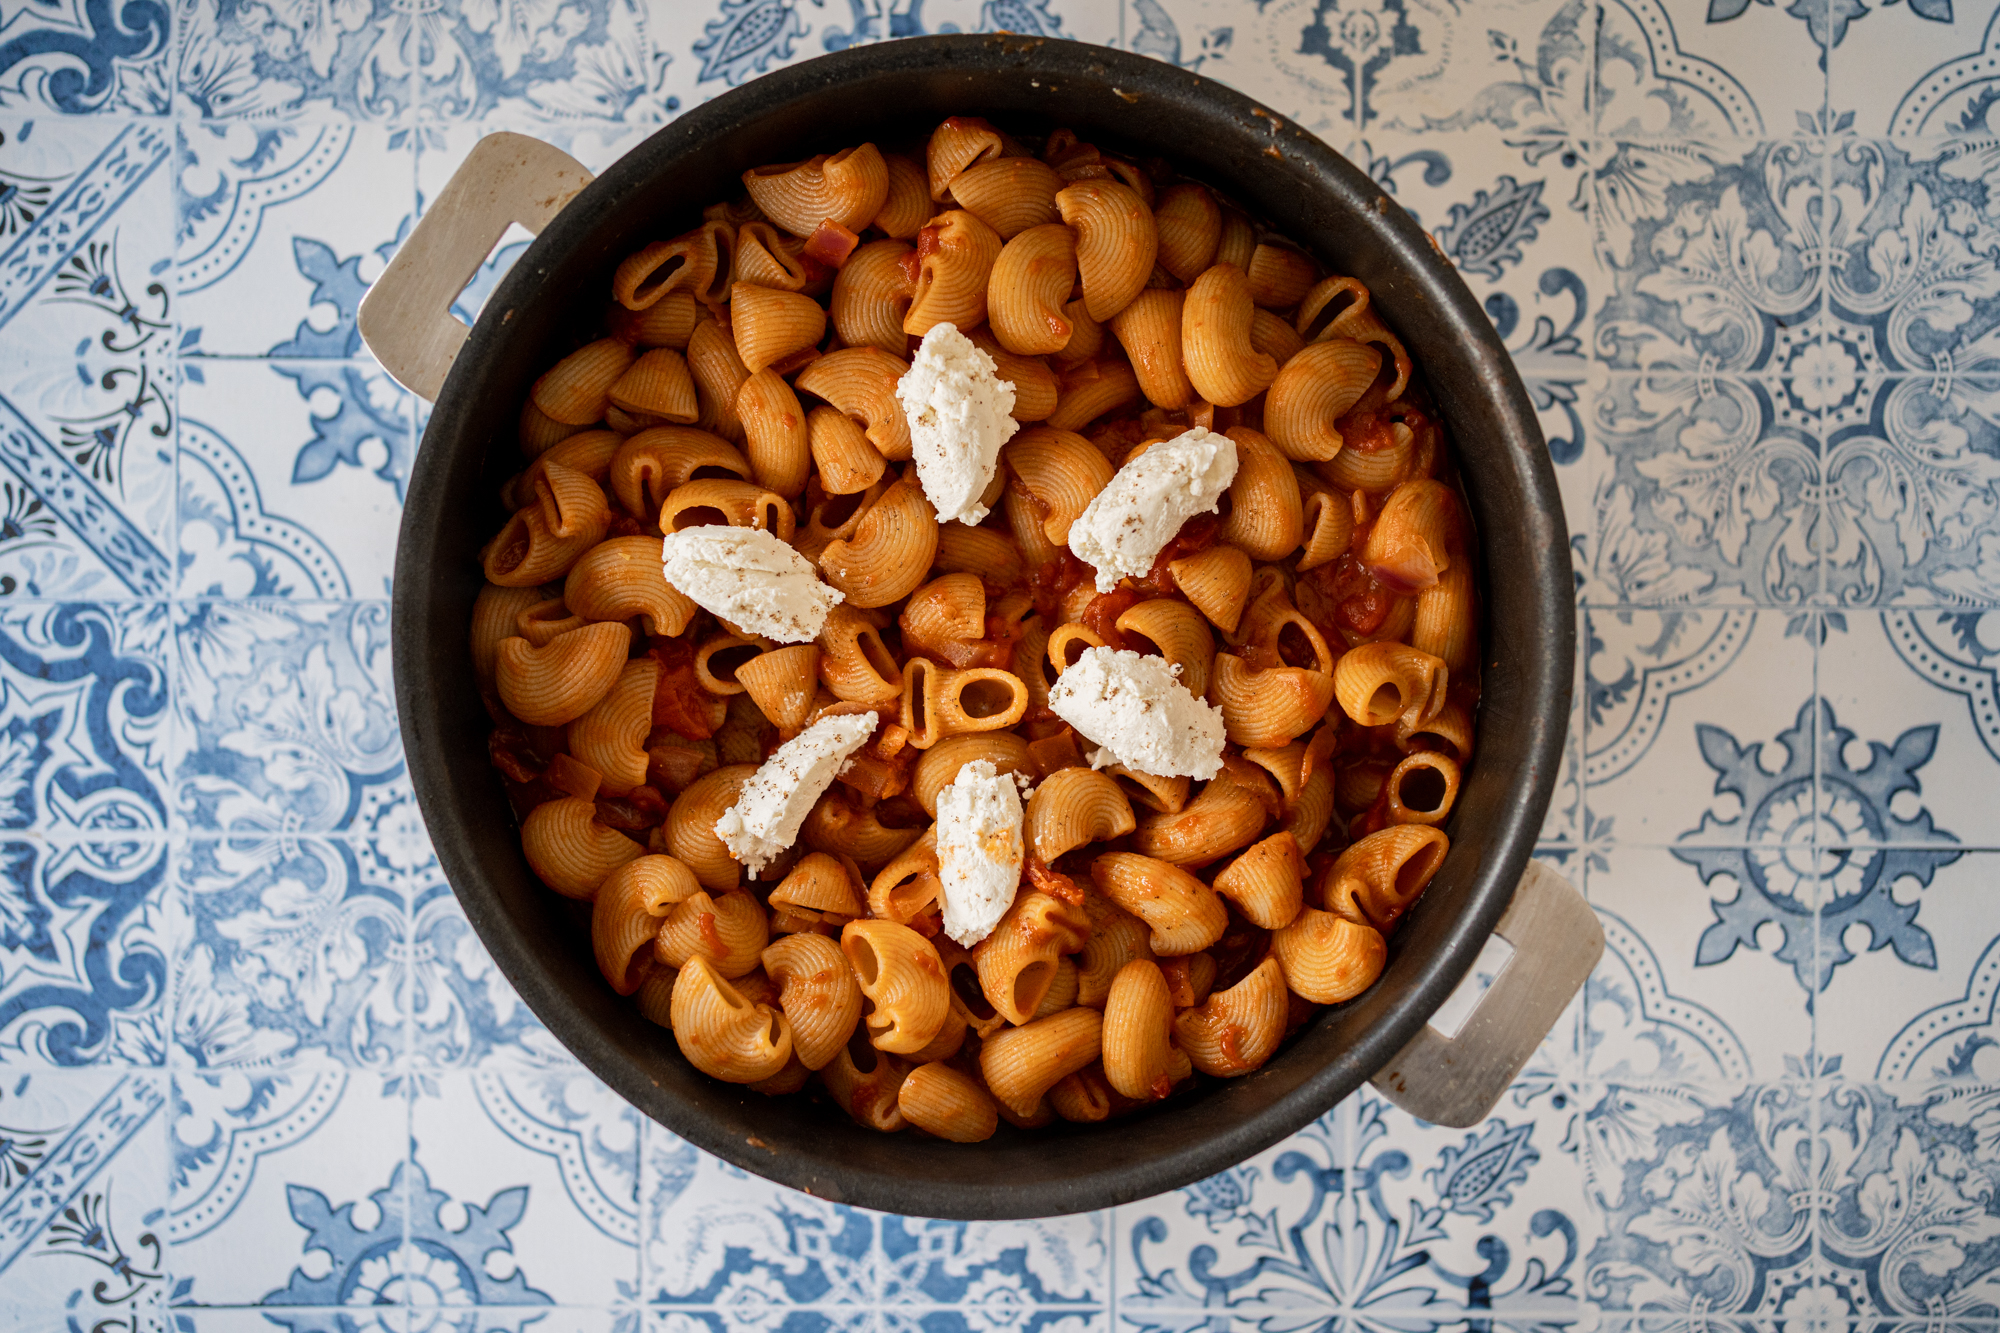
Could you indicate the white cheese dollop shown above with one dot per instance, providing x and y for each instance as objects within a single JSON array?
[
  {"x": 1137, "y": 709},
  {"x": 776, "y": 800},
  {"x": 979, "y": 850},
  {"x": 1121, "y": 531},
  {"x": 751, "y": 579},
  {"x": 958, "y": 409}
]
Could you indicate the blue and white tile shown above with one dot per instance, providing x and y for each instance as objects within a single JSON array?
[
  {"x": 1909, "y": 1176},
  {"x": 279, "y": 230},
  {"x": 291, "y": 1188},
  {"x": 838, "y": 1319},
  {"x": 1369, "y": 1211},
  {"x": 1710, "y": 966},
  {"x": 1645, "y": 1016},
  {"x": 1684, "y": 76},
  {"x": 395, "y": 1318},
  {"x": 77, "y": 59},
  {"x": 1912, "y": 233},
  {"x": 1957, "y": 1039},
  {"x": 543, "y": 1166},
  {"x": 291, "y": 478},
  {"x": 286, "y": 719},
  {"x": 1646, "y": 83},
  {"x": 1913, "y": 459},
  {"x": 1915, "y": 70},
  {"x": 86, "y": 350},
  {"x": 637, "y": 62},
  {"x": 464, "y": 1015},
  {"x": 1048, "y": 1271},
  {"x": 1347, "y": 71},
  {"x": 291, "y": 954},
  {"x": 1701, "y": 490},
  {"x": 83, "y": 1177},
  {"x": 1912, "y": 491},
  {"x": 996, "y": 1308},
  {"x": 84, "y": 694},
  {"x": 722, "y": 1247},
  {"x": 1903, "y": 759},
  {"x": 1697, "y": 726},
  {"x": 237, "y": 59},
  {"x": 1901, "y": 1001},
  {"x": 83, "y": 902},
  {"x": 606, "y": 61},
  {"x": 1825, "y": 877},
  {"x": 1906, "y": 778},
  {"x": 84, "y": 929},
  {"x": 1511, "y": 215},
  {"x": 1717, "y": 251},
  {"x": 1959, "y": 653},
  {"x": 1674, "y": 1170}
]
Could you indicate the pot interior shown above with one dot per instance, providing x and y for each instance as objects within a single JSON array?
[{"x": 554, "y": 299}]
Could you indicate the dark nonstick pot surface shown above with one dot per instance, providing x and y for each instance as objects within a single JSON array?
[{"x": 894, "y": 93}]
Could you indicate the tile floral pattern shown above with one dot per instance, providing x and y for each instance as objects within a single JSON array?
[{"x": 256, "y": 1071}]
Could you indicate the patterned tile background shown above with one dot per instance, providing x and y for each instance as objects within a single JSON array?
[{"x": 255, "y": 1071}]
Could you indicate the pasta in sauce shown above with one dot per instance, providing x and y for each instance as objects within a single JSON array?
[{"x": 1164, "y": 930}]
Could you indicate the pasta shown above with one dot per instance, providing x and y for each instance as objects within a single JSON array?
[
  {"x": 1116, "y": 243},
  {"x": 1140, "y": 1059},
  {"x": 1164, "y": 930},
  {"x": 774, "y": 433},
  {"x": 1185, "y": 915},
  {"x": 1017, "y": 963},
  {"x": 871, "y": 294},
  {"x": 563, "y": 679},
  {"x": 847, "y": 188},
  {"x": 1008, "y": 194},
  {"x": 611, "y": 737},
  {"x": 627, "y": 913},
  {"x": 1224, "y": 364},
  {"x": 956, "y": 256},
  {"x": 940, "y": 1100},
  {"x": 1072, "y": 808},
  {"x": 724, "y": 1034},
  {"x": 567, "y": 517},
  {"x": 1190, "y": 226},
  {"x": 1029, "y": 287},
  {"x": 903, "y": 980},
  {"x": 1149, "y": 327},
  {"x": 817, "y": 992},
  {"x": 729, "y": 931}
]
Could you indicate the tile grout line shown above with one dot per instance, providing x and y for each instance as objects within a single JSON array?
[
  {"x": 1814, "y": 1127},
  {"x": 412, "y": 121}
]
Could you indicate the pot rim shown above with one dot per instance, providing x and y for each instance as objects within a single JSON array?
[{"x": 1541, "y": 687}]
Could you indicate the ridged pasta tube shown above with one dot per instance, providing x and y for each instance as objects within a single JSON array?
[
  {"x": 1235, "y": 1031},
  {"x": 1183, "y": 913},
  {"x": 723, "y": 1034}
]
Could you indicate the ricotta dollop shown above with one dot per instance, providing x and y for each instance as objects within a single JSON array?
[
  {"x": 749, "y": 578},
  {"x": 958, "y": 408},
  {"x": 776, "y": 800},
  {"x": 979, "y": 850},
  {"x": 1122, "y": 530},
  {"x": 1137, "y": 709}
]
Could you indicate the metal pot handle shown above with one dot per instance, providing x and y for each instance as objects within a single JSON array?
[
  {"x": 1456, "y": 1079},
  {"x": 406, "y": 317}
]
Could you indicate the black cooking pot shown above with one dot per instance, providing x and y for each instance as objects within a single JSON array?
[{"x": 554, "y": 299}]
